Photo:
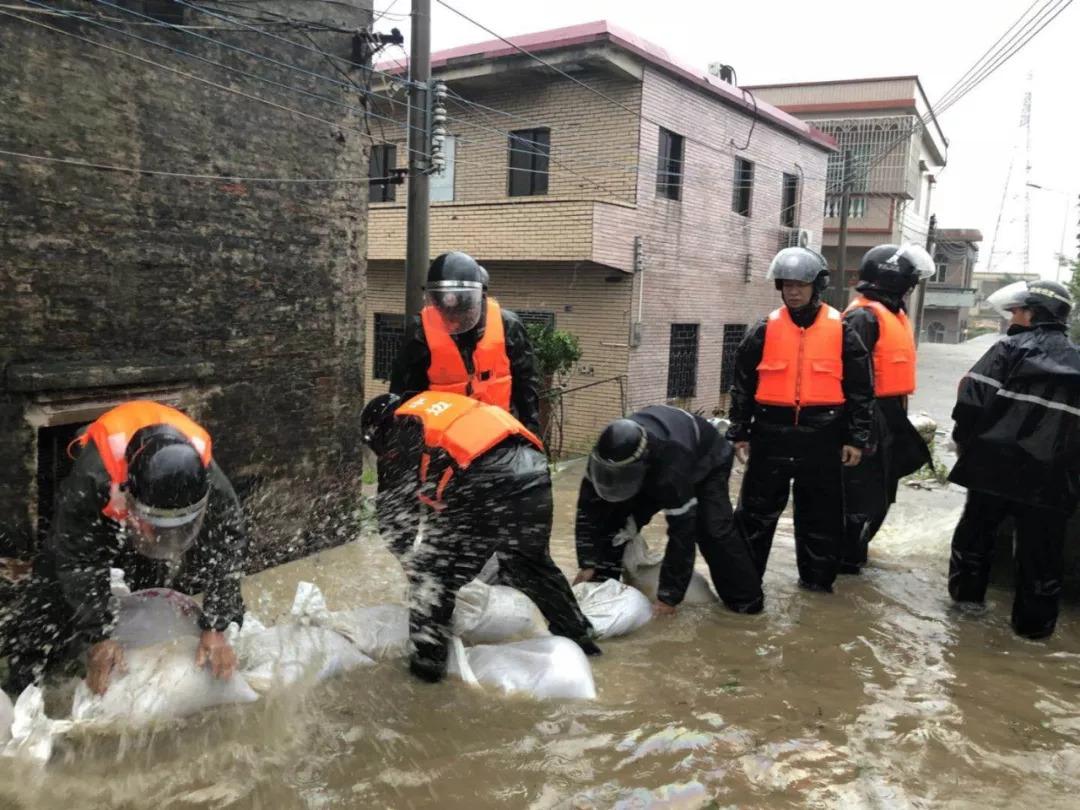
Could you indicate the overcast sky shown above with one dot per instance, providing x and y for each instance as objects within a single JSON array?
[{"x": 793, "y": 40}]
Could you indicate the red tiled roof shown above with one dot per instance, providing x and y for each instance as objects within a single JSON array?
[{"x": 601, "y": 31}]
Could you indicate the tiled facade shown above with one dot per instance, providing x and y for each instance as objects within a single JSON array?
[{"x": 571, "y": 251}]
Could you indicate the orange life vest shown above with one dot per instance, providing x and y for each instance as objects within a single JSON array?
[
  {"x": 463, "y": 427},
  {"x": 490, "y": 381},
  {"x": 802, "y": 367},
  {"x": 113, "y": 430},
  {"x": 894, "y": 353}
]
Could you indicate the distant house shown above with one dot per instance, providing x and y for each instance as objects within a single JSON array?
[
  {"x": 950, "y": 294},
  {"x": 643, "y": 221}
]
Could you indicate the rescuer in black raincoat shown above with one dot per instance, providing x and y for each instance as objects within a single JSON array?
[
  {"x": 665, "y": 459},
  {"x": 1017, "y": 435},
  {"x": 456, "y": 292},
  {"x": 879, "y": 317},
  {"x": 788, "y": 440},
  {"x": 160, "y": 510},
  {"x": 486, "y": 488}
]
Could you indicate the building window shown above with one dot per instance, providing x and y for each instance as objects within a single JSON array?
[
  {"x": 682, "y": 361},
  {"x": 383, "y": 161},
  {"x": 744, "y": 187},
  {"x": 789, "y": 201},
  {"x": 669, "y": 165},
  {"x": 529, "y": 151},
  {"x": 733, "y": 335},
  {"x": 389, "y": 332},
  {"x": 536, "y": 317},
  {"x": 941, "y": 268}
]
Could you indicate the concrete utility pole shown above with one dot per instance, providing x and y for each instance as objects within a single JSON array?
[
  {"x": 931, "y": 232},
  {"x": 845, "y": 204},
  {"x": 417, "y": 254}
]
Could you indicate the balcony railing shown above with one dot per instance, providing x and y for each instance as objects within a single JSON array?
[{"x": 834, "y": 206}]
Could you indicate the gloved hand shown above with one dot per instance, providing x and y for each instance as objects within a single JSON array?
[
  {"x": 103, "y": 660},
  {"x": 215, "y": 651}
]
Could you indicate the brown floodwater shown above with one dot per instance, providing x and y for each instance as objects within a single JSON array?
[{"x": 880, "y": 695}]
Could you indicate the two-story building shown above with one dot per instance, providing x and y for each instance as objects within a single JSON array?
[
  {"x": 894, "y": 149},
  {"x": 623, "y": 197},
  {"x": 982, "y": 316},
  {"x": 950, "y": 293}
]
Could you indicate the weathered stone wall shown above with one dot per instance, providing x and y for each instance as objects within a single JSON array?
[{"x": 239, "y": 299}]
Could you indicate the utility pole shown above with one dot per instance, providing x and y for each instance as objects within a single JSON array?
[
  {"x": 931, "y": 233},
  {"x": 417, "y": 253},
  {"x": 845, "y": 204}
]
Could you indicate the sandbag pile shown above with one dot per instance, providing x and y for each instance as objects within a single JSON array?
[
  {"x": 641, "y": 568},
  {"x": 552, "y": 668},
  {"x": 612, "y": 607}
]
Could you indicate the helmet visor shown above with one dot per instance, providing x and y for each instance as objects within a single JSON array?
[
  {"x": 918, "y": 258},
  {"x": 166, "y": 534},
  {"x": 796, "y": 264},
  {"x": 616, "y": 480},
  {"x": 457, "y": 302},
  {"x": 1010, "y": 297}
]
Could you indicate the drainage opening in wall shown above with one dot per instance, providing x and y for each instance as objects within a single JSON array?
[{"x": 53, "y": 466}]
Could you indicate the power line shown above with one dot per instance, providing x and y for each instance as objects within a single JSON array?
[
  {"x": 85, "y": 164},
  {"x": 292, "y": 42}
]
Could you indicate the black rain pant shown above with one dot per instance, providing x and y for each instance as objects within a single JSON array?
[
  {"x": 1038, "y": 558},
  {"x": 807, "y": 461}
]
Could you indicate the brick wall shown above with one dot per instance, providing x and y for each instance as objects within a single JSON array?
[
  {"x": 240, "y": 300},
  {"x": 697, "y": 248}
]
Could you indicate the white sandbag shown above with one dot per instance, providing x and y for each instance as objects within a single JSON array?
[
  {"x": 155, "y": 615},
  {"x": 7, "y": 716},
  {"x": 381, "y": 631},
  {"x": 117, "y": 586},
  {"x": 277, "y": 657},
  {"x": 641, "y": 568},
  {"x": 613, "y": 608},
  {"x": 32, "y": 732},
  {"x": 161, "y": 682},
  {"x": 488, "y": 614},
  {"x": 553, "y": 668}
]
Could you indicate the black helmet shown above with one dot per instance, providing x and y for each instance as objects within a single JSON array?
[
  {"x": 455, "y": 287},
  {"x": 1049, "y": 300},
  {"x": 895, "y": 269},
  {"x": 799, "y": 264},
  {"x": 617, "y": 464},
  {"x": 169, "y": 486},
  {"x": 376, "y": 419}
]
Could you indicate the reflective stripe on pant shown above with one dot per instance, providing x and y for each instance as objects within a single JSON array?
[
  {"x": 810, "y": 460},
  {"x": 493, "y": 516},
  {"x": 1038, "y": 559}
]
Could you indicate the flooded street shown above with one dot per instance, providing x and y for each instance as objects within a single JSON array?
[{"x": 880, "y": 695}]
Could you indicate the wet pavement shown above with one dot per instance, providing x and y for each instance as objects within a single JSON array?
[{"x": 880, "y": 695}]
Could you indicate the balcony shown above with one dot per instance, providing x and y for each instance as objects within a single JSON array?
[
  {"x": 950, "y": 297},
  {"x": 538, "y": 229}
]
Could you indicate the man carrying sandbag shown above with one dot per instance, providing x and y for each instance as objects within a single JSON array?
[
  {"x": 666, "y": 459},
  {"x": 144, "y": 496},
  {"x": 484, "y": 479}
]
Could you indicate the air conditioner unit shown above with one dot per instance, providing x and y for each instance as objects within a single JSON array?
[{"x": 794, "y": 237}]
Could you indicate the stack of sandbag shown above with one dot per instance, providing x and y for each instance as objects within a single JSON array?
[
  {"x": 641, "y": 568},
  {"x": 612, "y": 607},
  {"x": 275, "y": 657},
  {"x": 31, "y": 733},
  {"x": 552, "y": 667},
  {"x": 490, "y": 614}
]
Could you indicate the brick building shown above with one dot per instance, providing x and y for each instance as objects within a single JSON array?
[
  {"x": 950, "y": 294},
  {"x": 559, "y": 192},
  {"x": 894, "y": 162},
  {"x": 236, "y": 299}
]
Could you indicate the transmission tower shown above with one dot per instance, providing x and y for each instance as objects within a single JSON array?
[{"x": 1010, "y": 250}]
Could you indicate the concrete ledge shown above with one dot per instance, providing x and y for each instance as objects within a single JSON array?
[{"x": 61, "y": 376}]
